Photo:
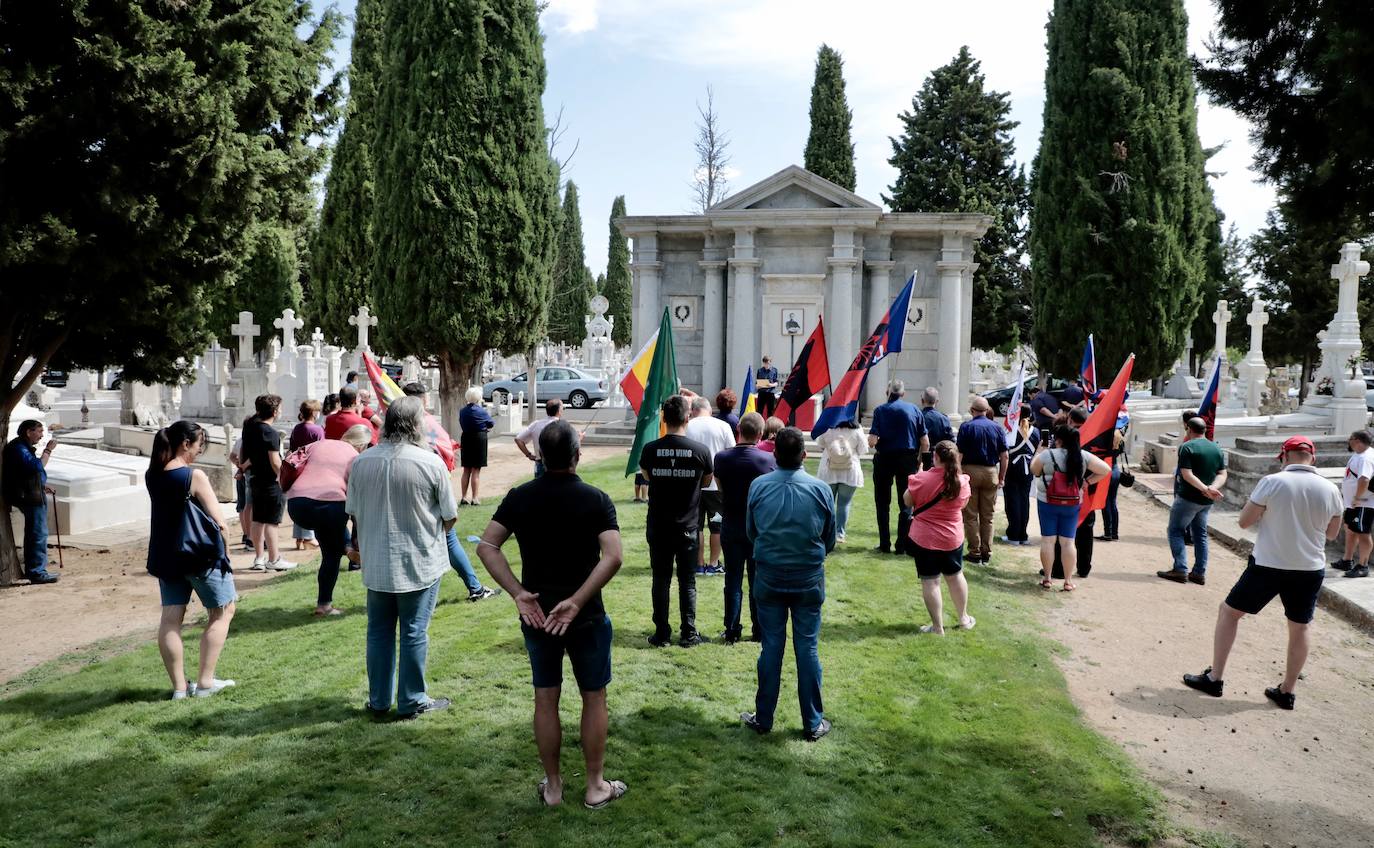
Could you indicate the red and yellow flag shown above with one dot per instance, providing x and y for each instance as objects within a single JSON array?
[{"x": 636, "y": 377}]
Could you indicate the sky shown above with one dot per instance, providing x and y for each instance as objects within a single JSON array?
[{"x": 628, "y": 75}]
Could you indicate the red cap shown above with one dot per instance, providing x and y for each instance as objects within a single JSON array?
[{"x": 1301, "y": 443}]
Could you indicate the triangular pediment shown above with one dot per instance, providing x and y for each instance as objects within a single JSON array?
[{"x": 793, "y": 187}]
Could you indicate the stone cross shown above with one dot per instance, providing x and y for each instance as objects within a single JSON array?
[
  {"x": 1222, "y": 317},
  {"x": 246, "y": 331},
  {"x": 1257, "y": 319},
  {"x": 216, "y": 362},
  {"x": 363, "y": 320},
  {"x": 288, "y": 323},
  {"x": 317, "y": 342},
  {"x": 1349, "y": 271}
]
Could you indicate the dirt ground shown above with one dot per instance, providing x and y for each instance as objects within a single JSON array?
[
  {"x": 108, "y": 594},
  {"x": 1237, "y": 764}
]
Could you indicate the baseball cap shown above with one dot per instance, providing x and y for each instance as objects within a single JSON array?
[
  {"x": 1301, "y": 443},
  {"x": 1072, "y": 394}
]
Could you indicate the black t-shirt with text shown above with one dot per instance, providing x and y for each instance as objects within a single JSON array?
[
  {"x": 557, "y": 520},
  {"x": 675, "y": 467},
  {"x": 260, "y": 439}
]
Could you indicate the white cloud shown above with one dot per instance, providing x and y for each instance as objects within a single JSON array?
[{"x": 573, "y": 16}]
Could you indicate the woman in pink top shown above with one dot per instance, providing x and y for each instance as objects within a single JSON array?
[
  {"x": 937, "y": 497},
  {"x": 317, "y": 502}
]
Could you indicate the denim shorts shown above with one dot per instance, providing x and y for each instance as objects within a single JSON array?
[
  {"x": 1260, "y": 584},
  {"x": 588, "y": 646},
  {"x": 215, "y": 589},
  {"x": 1057, "y": 519}
]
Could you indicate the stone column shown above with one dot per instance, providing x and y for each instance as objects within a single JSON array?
[
  {"x": 645, "y": 269},
  {"x": 953, "y": 346},
  {"x": 840, "y": 342},
  {"x": 965, "y": 329},
  {"x": 713, "y": 330},
  {"x": 879, "y": 301},
  {"x": 743, "y": 325}
]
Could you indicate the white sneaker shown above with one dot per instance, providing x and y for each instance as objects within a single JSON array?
[
  {"x": 180, "y": 694},
  {"x": 259, "y": 564},
  {"x": 280, "y": 564},
  {"x": 205, "y": 692}
]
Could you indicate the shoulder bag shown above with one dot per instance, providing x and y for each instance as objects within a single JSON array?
[{"x": 202, "y": 544}]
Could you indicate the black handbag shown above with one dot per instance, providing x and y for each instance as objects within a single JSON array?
[
  {"x": 1126, "y": 480},
  {"x": 202, "y": 544}
]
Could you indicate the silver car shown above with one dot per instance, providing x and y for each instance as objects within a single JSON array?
[{"x": 577, "y": 389}]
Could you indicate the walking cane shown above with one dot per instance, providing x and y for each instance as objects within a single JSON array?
[{"x": 57, "y": 526}]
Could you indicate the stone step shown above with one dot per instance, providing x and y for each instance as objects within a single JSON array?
[{"x": 1325, "y": 444}]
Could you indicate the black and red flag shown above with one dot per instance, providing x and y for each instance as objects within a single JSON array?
[{"x": 809, "y": 375}]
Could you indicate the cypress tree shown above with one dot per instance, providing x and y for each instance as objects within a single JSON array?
[
  {"x": 829, "y": 152},
  {"x": 341, "y": 249},
  {"x": 617, "y": 287},
  {"x": 466, "y": 205},
  {"x": 956, "y": 155},
  {"x": 572, "y": 282},
  {"x": 1120, "y": 209}
]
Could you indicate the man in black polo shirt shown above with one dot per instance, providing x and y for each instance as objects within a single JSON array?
[
  {"x": 677, "y": 469},
  {"x": 569, "y": 549}
]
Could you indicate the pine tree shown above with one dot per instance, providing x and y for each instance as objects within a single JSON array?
[
  {"x": 617, "y": 287},
  {"x": 195, "y": 121},
  {"x": 466, "y": 208},
  {"x": 956, "y": 155},
  {"x": 341, "y": 249},
  {"x": 1119, "y": 210},
  {"x": 572, "y": 282},
  {"x": 829, "y": 151}
]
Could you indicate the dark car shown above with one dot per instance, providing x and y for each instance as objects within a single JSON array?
[
  {"x": 999, "y": 398},
  {"x": 393, "y": 371},
  {"x": 54, "y": 378}
]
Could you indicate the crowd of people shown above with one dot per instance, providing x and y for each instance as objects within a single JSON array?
[{"x": 726, "y": 494}]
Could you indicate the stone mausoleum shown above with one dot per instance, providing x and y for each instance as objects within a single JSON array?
[{"x": 753, "y": 274}]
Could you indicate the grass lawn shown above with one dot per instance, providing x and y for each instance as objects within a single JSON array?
[{"x": 968, "y": 740}]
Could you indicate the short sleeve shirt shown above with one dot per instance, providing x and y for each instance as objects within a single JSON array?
[
  {"x": 1361, "y": 464},
  {"x": 1205, "y": 460},
  {"x": 981, "y": 441},
  {"x": 674, "y": 467},
  {"x": 940, "y": 527},
  {"x": 898, "y": 425},
  {"x": 1298, "y": 505},
  {"x": 714, "y": 433},
  {"x": 557, "y": 521},
  {"x": 259, "y": 440},
  {"x": 1044, "y": 407},
  {"x": 401, "y": 496},
  {"x": 344, "y": 420}
]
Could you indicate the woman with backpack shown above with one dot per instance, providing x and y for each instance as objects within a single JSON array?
[
  {"x": 177, "y": 490},
  {"x": 841, "y": 446},
  {"x": 1061, "y": 474},
  {"x": 937, "y": 497}
]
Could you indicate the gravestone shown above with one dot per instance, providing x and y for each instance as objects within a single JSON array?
[{"x": 1253, "y": 369}]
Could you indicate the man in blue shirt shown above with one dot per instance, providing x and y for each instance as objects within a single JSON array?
[
  {"x": 767, "y": 381},
  {"x": 736, "y": 469},
  {"x": 982, "y": 445},
  {"x": 791, "y": 520},
  {"x": 24, "y": 485},
  {"x": 897, "y": 435},
  {"x": 938, "y": 428}
]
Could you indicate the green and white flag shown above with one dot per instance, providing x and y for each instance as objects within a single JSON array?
[{"x": 662, "y": 385}]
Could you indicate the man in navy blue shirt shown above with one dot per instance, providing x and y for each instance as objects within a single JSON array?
[
  {"x": 1044, "y": 406},
  {"x": 938, "y": 428},
  {"x": 25, "y": 483},
  {"x": 982, "y": 445},
  {"x": 767, "y": 381},
  {"x": 897, "y": 435},
  {"x": 735, "y": 469}
]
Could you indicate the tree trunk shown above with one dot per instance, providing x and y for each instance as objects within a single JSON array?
[
  {"x": 532, "y": 399},
  {"x": 453, "y": 384},
  {"x": 1306, "y": 377},
  {"x": 10, "y": 567}
]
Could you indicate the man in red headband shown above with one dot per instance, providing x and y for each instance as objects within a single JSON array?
[{"x": 1296, "y": 511}]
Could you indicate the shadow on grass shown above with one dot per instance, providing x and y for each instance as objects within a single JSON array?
[{"x": 49, "y": 705}]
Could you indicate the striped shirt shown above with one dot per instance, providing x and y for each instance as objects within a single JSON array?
[{"x": 401, "y": 496}]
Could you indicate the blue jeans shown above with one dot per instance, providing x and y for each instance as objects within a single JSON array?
[
  {"x": 410, "y": 611},
  {"x": 774, "y": 606},
  {"x": 329, "y": 521},
  {"x": 538, "y": 468},
  {"x": 1186, "y": 514},
  {"x": 844, "y": 498},
  {"x": 739, "y": 560},
  {"x": 459, "y": 562},
  {"x": 1111, "y": 515},
  {"x": 35, "y": 539}
]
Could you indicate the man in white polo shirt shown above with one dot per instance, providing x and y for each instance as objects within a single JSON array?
[
  {"x": 1297, "y": 511},
  {"x": 1358, "y": 497},
  {"x": 717, "y": 436}
]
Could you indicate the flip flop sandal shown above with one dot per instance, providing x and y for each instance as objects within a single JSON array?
[
  {"x": 618, "y": 788},
  {"x": 971, "y": 622},
  {"x": 543, "y": 784},
  {"x": 1046, "y": 584},
  {"x": 1069, "y": 587}
]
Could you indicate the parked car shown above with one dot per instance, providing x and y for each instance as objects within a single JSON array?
[
  {"x": 999, "y": 398},
  {"x": 393, "y": 371},
  {"x": 54, "y": 378},
  {"x": 577, "y": 388}
]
